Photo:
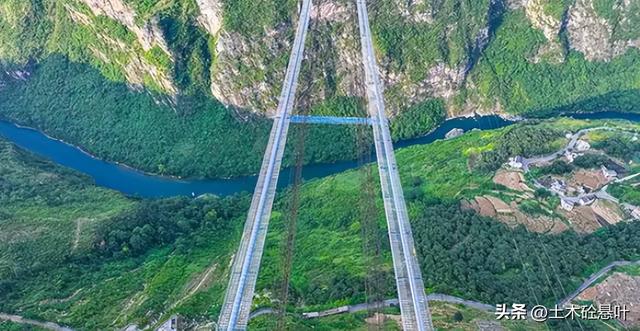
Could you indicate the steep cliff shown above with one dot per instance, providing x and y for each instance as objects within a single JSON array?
[{"x": 237, "y": 50}]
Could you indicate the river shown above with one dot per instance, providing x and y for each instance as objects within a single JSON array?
[{"x": 135, "y": 183}]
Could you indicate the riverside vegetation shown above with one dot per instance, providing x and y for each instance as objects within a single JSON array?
[
  {"x": 95, "y": 259},
  {"x": 95, "y": 84}
]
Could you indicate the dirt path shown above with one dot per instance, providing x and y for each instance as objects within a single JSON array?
[
  {"x": 21, "y": 320},
  {"x": 76, "y": 240}
]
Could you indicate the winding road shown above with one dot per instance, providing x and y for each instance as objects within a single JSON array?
[
  {"x": 436, "y": 297},
  {"x": 25, "y": 321}
]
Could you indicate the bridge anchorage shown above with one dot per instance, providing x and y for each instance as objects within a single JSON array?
[{"x": 246, "y": 264}]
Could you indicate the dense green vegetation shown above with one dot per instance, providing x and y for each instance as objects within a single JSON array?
[
  {"x": 622, "y": 145},
  {"x": 467, "y": 255},
  {"x": 418, "y": 120},
  {"x": 589, "y": 161},
  {"x": 558, "y": 167},
  {"x": 48, "y": 214},
  {"x": 402, "y": 40},
  {"x": 198, "y": 137},
  {"x": 523, "y": 140},
  {"x": 626, "y": 193},
  {"x": 71, "y": 248},
  {"x": 142, "y": 259},
  {"x": 251, "y": 18},
  {"x": 521, "y": 86}
]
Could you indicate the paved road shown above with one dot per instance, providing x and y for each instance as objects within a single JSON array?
[
  {"x": 389, "y": 303},
  {"x": 593, "y": 278},
  {"x": 469, "y": 303},
  {"x": 413, "y": 302},
  {"x": 237, "y": 303},
  {"x": 22, "y": 320},
  {"x": 569, "y": 147}
]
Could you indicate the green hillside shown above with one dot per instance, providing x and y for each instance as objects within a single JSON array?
[
  {"x": 153, "y": 84},
  {"x": 141, "y": 260}
]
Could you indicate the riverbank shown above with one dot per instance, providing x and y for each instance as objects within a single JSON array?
[{"x": 134, "y": 182}]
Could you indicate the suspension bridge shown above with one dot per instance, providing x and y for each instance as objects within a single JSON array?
[{"x": 246, "y": 264}]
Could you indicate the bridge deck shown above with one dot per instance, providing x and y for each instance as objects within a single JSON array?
[
  {"x": 411, "y": 294},
  {"x": 330, "y": 120},
  {"x": 244, "y": 271}
]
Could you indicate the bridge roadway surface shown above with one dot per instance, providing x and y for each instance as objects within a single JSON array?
[
  {"x": 330, "y": 120},
  {"x": 413, "y": 302},
  {"x": 238, "y": 299}
]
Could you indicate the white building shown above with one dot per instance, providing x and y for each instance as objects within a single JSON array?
[
  {"x": 586, "y": 200},
  {"x": 567, "y": 204},
  {"x": 570, "y": 156},
  {"x": 516, "y": 162},
  {"x": 582, "y": 146},
  {"x": 608, "y": 174},
  {"x": 558, "y": 186},
  {"x": 172, "y": 324}
]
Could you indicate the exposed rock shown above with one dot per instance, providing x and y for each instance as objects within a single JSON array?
[
  {"x": 415, "y": 10},
  {"x": 549, "y": 25},
  {"x": 330, "y": 11},
  {"x": 443, "y": 81},
  {"x": 235, "y": 54},
  {"x": 249, "y": 73},
  {"x": 137, "y": 67},
  {"x": 77, "y": 16},
  {"x": 19, "y": 74},
  {"x": 148, "y": 35},
  {"x": 516, "y": 4},
  {"x": 592, "y": 35},
  {"x": 210, "y": 15}
]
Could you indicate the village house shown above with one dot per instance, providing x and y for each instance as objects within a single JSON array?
[
  {"x": 587, "y": 200},
  {"x": 567, "y": 204},
  {"x": 172, "y": 324},
  {"x": 582, "y": 146},
  {"x": 570, "y": 156},
  {"x": 609, "y": 174},
  {"x": 516, "y": 162},
  {"x": 558, "y": 186}
]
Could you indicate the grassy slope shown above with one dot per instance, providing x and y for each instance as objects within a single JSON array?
[
  {"x": 328, "y": 265},
  {"x": 43, "y": 277},
  {"x": 41, "y": 207}
]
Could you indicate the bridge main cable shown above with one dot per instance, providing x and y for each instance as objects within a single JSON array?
[
  {"x": 413, "y": 301},
  {"x": 244, "y": 271}
]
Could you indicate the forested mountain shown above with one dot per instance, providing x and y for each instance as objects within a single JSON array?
[
  {"x": 154, "y": 65},
  {"x": 483, "y": 56}
]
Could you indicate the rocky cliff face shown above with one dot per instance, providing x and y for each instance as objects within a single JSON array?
[
  {"x": 148, "y": 35},
  {"x": 426, "y": 48},
  {"x": 599, "y": 32},
  {"x": 601, "y": 38},
  {"x": 210, "y": 15},
  {"x": 138, "y": 69}
]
